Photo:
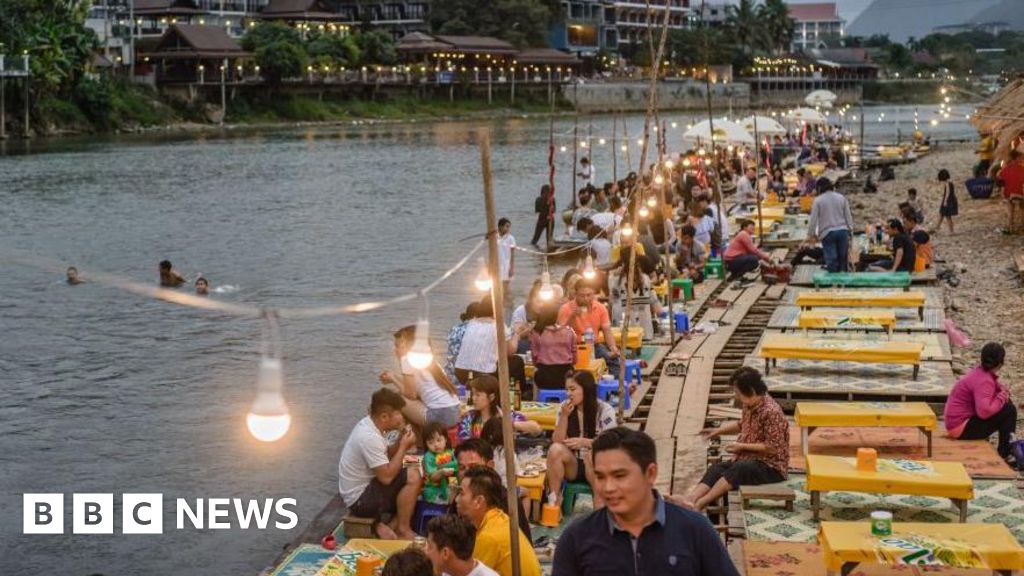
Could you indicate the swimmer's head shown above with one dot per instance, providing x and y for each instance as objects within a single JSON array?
[
  {"x": 165, "y": 266},
  {"x": 72, "y": 275},
  {"x": 202, "y": 286}
]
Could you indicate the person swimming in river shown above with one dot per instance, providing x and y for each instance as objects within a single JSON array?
[
  {"x": 202, "y": 286},
  {"x": 73, "y": 278},
  {"x": 169, "y": 277}
]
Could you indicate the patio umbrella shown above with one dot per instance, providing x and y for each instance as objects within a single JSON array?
[
  {"x": 765, "y": 125},
  {"x": 823, "y": 98},
  {"x": 807, "y": 115},
  {"x": 725, "y": 131}
]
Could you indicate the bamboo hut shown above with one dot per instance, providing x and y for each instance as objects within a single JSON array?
[{"x": 1003, "y": 116}]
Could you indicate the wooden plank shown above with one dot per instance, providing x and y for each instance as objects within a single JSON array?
[
  {"x": 660, "y": 351},
  {"x": 690, "y": 464},
  {"x": 1018, "y": 259},
  {"x": 666, "y": 463}
]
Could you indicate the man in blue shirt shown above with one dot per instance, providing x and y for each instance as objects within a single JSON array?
[{"x": 638, "y": 532}]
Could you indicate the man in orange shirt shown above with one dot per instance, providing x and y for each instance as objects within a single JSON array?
[
  {"x": 1012, "y": 177},
  {"x": 586, "y": 313}
]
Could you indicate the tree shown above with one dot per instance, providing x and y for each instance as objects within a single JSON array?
[
  {"x": 269, "y": 32},
  {"x": 691, "y": 48},
  {"x": 376, "y": 47},
  {"x": 777, "y": 24},
  {"x": 54, "y": 36},
  {"x": 742, "y": 21},
  {"x": 520, "y": 22},
  {"x": 334, "y": 50},
  {"x": 280, "y": 59}
]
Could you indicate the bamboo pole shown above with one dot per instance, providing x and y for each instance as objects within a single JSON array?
[
  {"x": 497, "y": 299},
  {"x": 615, "y": 148},
  {"x": 575, "y": 156},
  {"x": 716, "y": 183},
  {"x": 552, "y": 212},
  {"x": 663, "y": 193},
  {"x": 757, "y": 184}
]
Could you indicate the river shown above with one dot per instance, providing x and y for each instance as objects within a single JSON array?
[{"x": 104, "y": 391}]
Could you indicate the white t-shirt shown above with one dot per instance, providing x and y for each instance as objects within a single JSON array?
[
  {"x": 480, "y": 569},
  {"x": 606, "y": 220},
  {"x": 602, "y": 250},
  {"x": 519, "y": 316},
  {"x": 605, "y": 416},
  {"x": 505, "y": 245},
  {"x": 479, "y": 350},
  {"x": 431, "y": 393},
  {"x": 703, "y": 230},
  {"x": 364, "y": 450},
  {"x": 499, "y": 464}
]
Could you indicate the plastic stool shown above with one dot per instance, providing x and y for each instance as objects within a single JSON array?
[
  {"x": 424, "y": 512},
  {"x": 634, "y": 371},
  {"x": 544, "y": 395},
  {"x": 570, "y": 490},
  {"x": 461, "y": 391},
  {"x": 609, "y": 386}
]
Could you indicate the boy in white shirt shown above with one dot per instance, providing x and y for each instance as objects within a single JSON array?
[
  {"x": 506, "y": 256},
  {"x": 450, "y": 543}
]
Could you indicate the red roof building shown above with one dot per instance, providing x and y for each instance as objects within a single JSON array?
[{"x": 814, "y": 23}]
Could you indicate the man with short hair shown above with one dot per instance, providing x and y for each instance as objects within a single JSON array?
[
  {"x": 480, "y": 501},
  {"x": 637, "y": 532},
  {"x": 372, "y": 478},
  {"x": 831, "y": 223},
  {"x": 690, "y": 255},
  {"x": 450, "y": 542},
  {"x": 585, "y": 313},
  {"x": 746, "y": 189},
  {"x": 474, "y": 452},
  {"x": 506, "y": 256},
  {"x": 586, "y": 172}
]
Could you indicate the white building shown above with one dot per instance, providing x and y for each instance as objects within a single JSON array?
[{"x": 814, "y": 23}]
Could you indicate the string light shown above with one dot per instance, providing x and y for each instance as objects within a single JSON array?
[
  {"x": 639, "y": 141},
  {"x": 601, "y": 142},
  {"x": 686, "y": 162},
  {"x": 659, "y": 180},
  {"x": 588, "y": 268},
  {"x": 268, "y": 419},
  {"x": 669, "y": 164},
  {"x": 562, "y": 149},
  {"x": 625, "y": 148},
  {"x": 420, "y": 355},
  {"x": 546, "y": 292},
  {"x": 483, "y": 280},
  {"x": 701, "y": 151},
  {"x": 627, "y": 229},
  {"x": 644, "y": 212}
]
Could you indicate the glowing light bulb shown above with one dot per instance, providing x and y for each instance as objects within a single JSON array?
[
  {"x": 730, "y": 148},
  {"x": 600, "y": 142},
  {"x": 707, "y": 161},
  {"x": 483, "y": 278},
  {"x": 588, "y": 268},
  {"x": 644, "y": 212},
  {"x": 546, "y": 292},
  {"x": 639, "y": 141},
  {"x": 934, "y": 122},
  {"x": 669, "y": 164},
  {"x": 701, "y": 151},
  {"x": 562, "y": 149},
  {"x": 420, "y": 356},
  {"x": 627, "y": 229},
  {"x": 268, "y": 419},
  {"x": 624, "y": 147},
  {"x": 675, "y": 125},
  {"x": 659, "y": 180},
  {"x": 686, "y": 162},
  {"x": 653, "y": 200}
]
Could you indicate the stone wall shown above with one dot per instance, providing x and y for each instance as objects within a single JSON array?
[{"x": 633, "y": 96}]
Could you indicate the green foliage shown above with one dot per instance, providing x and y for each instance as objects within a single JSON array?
[
  {"x": 267, "y": 33},
  {"x": 334, "y": 50},
  {"x": 778, "y": 26},
  {"x": 281, "y": 59},
  {"x": 694, "y": 47},
  {"x": 377, "y": 47},
  {"x": 746, "y": 28},
  {"x": 521, "y": 22},
  {"x": 53, "y": 34}
]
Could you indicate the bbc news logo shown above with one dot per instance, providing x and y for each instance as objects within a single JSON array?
[{"x": 144, "y": 514}]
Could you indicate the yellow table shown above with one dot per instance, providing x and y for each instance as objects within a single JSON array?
[
  {"x": 839, "y": 318},
  {"x": 634, "y": 340},
  {"x": 920, "y": 478},
  {"x": 811, "y": 415},
  {"x": 598, "y": 367},
  {"x": 862, "y": 299},
  {"x": 534, "y": 488},
  {"x": 777, "y": 346},
  {"x": 845, "y": 545},
  {"x": 383, "y": 548},
  {"x": 543, "y": 413}
]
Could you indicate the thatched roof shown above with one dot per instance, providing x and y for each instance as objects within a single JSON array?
[
  {"x": 191, "y": 41},
  {"x": 305, "y": 10},
  {"x": 420, "y": 42},
  {"x": 1003, "y": 116}
]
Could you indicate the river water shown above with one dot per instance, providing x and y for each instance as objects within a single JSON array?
[{"x": 104, "y": 391}]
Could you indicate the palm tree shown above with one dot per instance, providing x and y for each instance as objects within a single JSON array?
[
  {"x": 777, "y": 24},
  {"x": 742, "y": 21}
]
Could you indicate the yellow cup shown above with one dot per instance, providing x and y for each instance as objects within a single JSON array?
[
  {"x": 550, "y": 515},
  {"x": 365, "y": 565}
]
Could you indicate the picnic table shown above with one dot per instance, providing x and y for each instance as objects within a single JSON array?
[
  {"x": 812, "y": 415},
  {"x": 914, "y": 477},
  {"x": 775, "y": 346},
  {"x": 844, "y": 318},
  {"x": 543, "y": 413},
  {"x": 862, "y": 299},
  {"x": 846, "y": 545},
  {"x": 862, "y": 279},
  {"x": 598, "y": 367}
]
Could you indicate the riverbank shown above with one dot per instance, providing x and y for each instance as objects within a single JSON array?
[{"x": 987, "y": 302}]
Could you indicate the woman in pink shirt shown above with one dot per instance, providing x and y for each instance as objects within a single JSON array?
[
  {"x": 742, "y": 255},
  {"x": 553, "y": 347},
  {"x": 979, "y": 405}
]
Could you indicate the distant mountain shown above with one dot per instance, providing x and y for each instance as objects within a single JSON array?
[
  {"x": 902, "y": 19},
  {"x": 1009, "y": 11}
]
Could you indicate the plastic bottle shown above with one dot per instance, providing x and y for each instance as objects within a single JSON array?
[{"x": 588, "y": 337}]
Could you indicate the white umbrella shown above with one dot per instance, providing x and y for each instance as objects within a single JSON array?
[
  {"x": 823, "y": 98},
  {"x": 725, "y": 131},
  {"x": 765, "y": 125},
  {"x": 808, "y": 115}
]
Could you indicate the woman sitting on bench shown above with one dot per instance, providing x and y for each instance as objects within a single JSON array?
[
  {"x": 979, "y": 404},
  {"x": 743, "y": 255},
  {"x": 760, "y": 453},
  {"x": 580, "y": 419}
]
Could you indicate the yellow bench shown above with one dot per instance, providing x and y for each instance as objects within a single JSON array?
[
  {"x": 862, "y": 299},
  {"x": 634, "y": 340},
  {"x": 534, "y": 488},
  {"x": 846, "y": 545},
  {"x": 811, "y": 415},
  {"x": 838, "y": 318},
  {"x": 797, "y": 347},
  {"x": 543, "y": 413},
  {"x": 598, "y": 367},
  {"x": 918, "y": 478}
]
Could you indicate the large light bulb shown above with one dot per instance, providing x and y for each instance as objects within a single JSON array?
[
  {"x": 701, "y": 152},
  {"x": 670, "y": 164},
  {"x": 652, "y": 201},
  {"x": 627, "y": 228},
  {"x": 588, "y": 268},
  {"x": 659, "y": 180},
  {"x": 268, "y": 419},
  {"x": 483, "y": 278},
  {"x": 686, "y": 162},
  {"x": 644, "y": 212},
  {"x": 420, "y": 356},
  {"x": 546, "y": 292}
]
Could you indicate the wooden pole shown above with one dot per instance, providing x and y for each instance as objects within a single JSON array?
[
  {"x": 575, "y": 157},
  {"x": 550, "y": 231},
  {"x": 3, "y": 101},
  {"x": 615, "y": 148},
  {"x": 497, "y": 299},
  {"x": 663, "y": 194},
  {"x": 716, "y": 183},
  {"x": 757, "y": 186},
  {"x": 625, "y": 138}
]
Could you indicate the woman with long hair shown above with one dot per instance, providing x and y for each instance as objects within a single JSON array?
[
  {"x": 429, "y": 394},
  {"x": 949, "y": 206},
  {"x": 486, "y": 404},
  {"x": 553, "y": 347},
  {"x": 580, "y": 419}
]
